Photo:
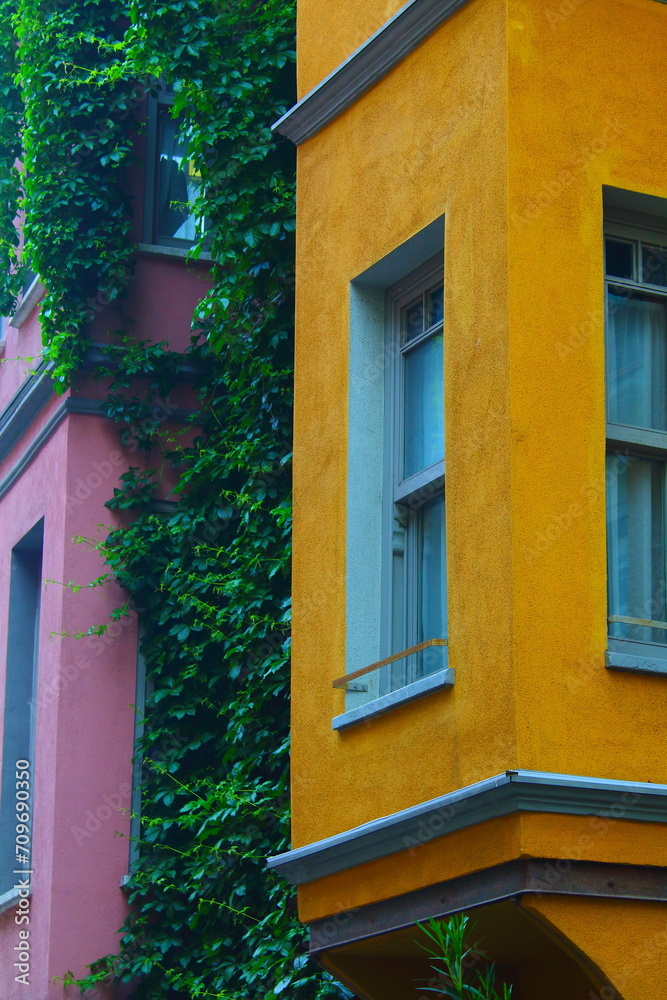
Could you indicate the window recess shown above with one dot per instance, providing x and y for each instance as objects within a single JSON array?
[
  {"x": 415, "y": 561},
  {"x": 636, "y": 471},
  {"x": 396, "y": 616},
  {"x": 20, "y": 697},
  {"x": 172, "y": 182}
]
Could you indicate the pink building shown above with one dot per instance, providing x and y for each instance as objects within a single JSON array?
[{"x": 67, "y": 715}]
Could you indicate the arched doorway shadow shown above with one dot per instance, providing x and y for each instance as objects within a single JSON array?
[{"x": 538, "y": 961}]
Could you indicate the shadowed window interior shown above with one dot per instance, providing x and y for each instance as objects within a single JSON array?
[
  {"x": 172, "y": 182},
  {"x": 636, "y": 363},
  {"x": 20, "y": 686}
]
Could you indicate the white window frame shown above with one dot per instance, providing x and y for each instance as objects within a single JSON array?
[
  {"x": 370, "y": 355},
  {"x": 157, "y": 106},
  {"x": 622, "y": 653},
  {"x": 403, "y": 499}
]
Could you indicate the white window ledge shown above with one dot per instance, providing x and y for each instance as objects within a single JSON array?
[
  {"x": 8, "y": 900},
  {"x": 636, "y": 664},
  {"x": 164, "y": 251},
  {"x": 33, "y": 294},
  {"x": 433, "y": 682}
]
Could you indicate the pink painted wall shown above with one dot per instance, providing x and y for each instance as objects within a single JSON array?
[
  {"x": 84, "y": 730},
  {"x": 82, "y": 769},
  {"x": 21, "y": 353}
]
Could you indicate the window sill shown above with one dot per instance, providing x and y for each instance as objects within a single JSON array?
[
  {"x": 433, "y": 682},
  {"x": 160, "y": 251},
  {"x": 8, "y": 900},
  {"x": 636, "y": 664},
  {"x": 31, "y": 297}
]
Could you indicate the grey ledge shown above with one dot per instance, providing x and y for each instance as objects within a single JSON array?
[
  {"x": 99, "y": 354},
  {"x": 433, "y": 682},
  {"x": 399, "y": 36},
  {"x": 8, "y": 900},
  {"x": 636, "y": 664},
  {"x": 33, "y": 396},
  {"x": 391, "y": 43},
  {"x": 160, "y": 251},
  {"x": 24, "y": 406},
  {"x": 33, "y": 294},
  {"x": 511, "y": 792}
]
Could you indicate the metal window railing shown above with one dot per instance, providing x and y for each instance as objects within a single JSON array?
[
  {"x": 646, "y": 622},
  {"x": 341, "y": 682}
]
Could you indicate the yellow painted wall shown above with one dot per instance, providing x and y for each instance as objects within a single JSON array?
[
  {"x": 634, "y": 959},
  {"x": 509, "y": 119},
  {"x": 587, "y": 107},
  {"x": 529, "y": 951},
  {"x": 436, "y": 860},
  {"x": 430, "y": 138},
  {"x": 328, "y": 35},
  {"x": 568, "y": 839}
]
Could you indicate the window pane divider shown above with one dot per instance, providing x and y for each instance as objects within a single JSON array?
[
  {"x": 635, "y": 287},
  {"x": 620, "y": 434},
  {"x": 430, "y": 480},
  {"x": 432, "y": 331}
]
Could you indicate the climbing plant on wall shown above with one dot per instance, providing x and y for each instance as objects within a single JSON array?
[
  {"x": 11, "y": 127},
  {"x": 210, "y": 574}
]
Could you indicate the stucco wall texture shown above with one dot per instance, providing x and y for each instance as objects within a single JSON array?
[
  {"x": 325, "y": 40},
  {"x": 86, "y": 688},
  {"x": 574, "y": 125},
  {"x": 510, "y": 118},
  {"x": 81, "y": 771},
  {"x": 398, "y": 159}
]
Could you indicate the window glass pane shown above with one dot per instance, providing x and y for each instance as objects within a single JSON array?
[
  {"x": 427, "y": 590},
  {"x": 424, "y": 410},
  {"x": 619, "y": 257},
  {"x": 413, "y": 320},
  {"x": 176, "y": 183},
  {"x": 435, "y": 306},
  {"x": 636, "y": 544},
  {"x": 637, "y": 360},
  {"x": 654, "y": 265},
  {"x": 433, "y": 582}
]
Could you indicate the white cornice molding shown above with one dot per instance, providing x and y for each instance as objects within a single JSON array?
[
  {"x": 511, "y": 792},
  {"x": 391, "y": 43},
  {"x": 34, "y": 294},
  {"x": 24, "y": 406},
  {"x": 399, "y": 36}
]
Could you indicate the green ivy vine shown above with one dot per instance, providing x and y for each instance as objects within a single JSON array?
[
  {"x": 209, "y": 577},
  {"x": 11, "y": 128}
]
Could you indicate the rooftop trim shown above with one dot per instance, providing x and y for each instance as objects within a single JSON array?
[
  {"x": 511, "y": 792},
  {"x": 27, "y": 402},
  {"x": 391, "y": 43}
]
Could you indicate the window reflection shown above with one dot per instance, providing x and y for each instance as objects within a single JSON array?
[{"x": 177, "y": 183}]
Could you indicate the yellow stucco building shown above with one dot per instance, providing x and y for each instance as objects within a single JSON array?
[{"x": 482, "y": 330}]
